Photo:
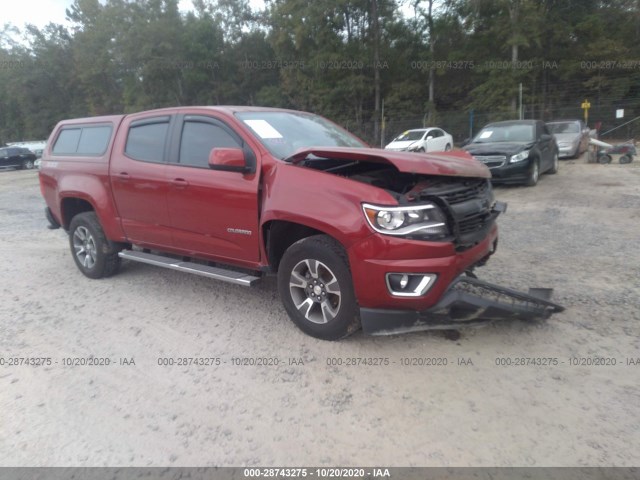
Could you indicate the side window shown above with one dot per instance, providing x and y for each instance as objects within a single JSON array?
[
  {"x": 94, "y": 140},
  {"x": 146, "y": 140},
  {"x": 83, "y": 140},
  {"x": 198, "y": 138},
  {"x": 67, "y": 141}
]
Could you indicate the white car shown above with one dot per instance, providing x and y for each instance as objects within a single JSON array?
[{"x": 422, "y": 140}]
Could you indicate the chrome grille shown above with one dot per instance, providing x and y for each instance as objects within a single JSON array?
[
  {"x": 492, "y": 161},
  {"x": 468, "y": 203}
]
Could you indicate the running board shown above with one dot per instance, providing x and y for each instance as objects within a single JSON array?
[{"x": 230, "y": 276}]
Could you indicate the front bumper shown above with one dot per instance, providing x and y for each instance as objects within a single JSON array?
[
  {"x": 567, "y": 152},
  {"x": 511, "y": 172},
  {"x": 467, "y": 302}
]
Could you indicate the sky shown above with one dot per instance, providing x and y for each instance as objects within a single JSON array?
[{"x": 41, "y": 12}]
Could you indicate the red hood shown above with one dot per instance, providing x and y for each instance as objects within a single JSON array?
[{"x": 457, "y": 164}]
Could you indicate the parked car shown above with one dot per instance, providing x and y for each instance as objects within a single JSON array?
[
  {"x": 422, "y": 140},
  {"x": 572, "y": 137},
  {"x": 17, "y": 157},
  {"x": 516, "y": 151}
]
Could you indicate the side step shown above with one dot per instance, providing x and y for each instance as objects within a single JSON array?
[{"x": 230, "y": 276}]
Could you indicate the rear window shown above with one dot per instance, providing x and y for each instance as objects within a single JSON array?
[{"x": 86, "y": 141}]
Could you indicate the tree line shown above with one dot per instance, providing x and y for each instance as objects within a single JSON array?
[{"x": 362, "y": 63}]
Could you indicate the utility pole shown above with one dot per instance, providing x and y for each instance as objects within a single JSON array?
[
  {"x": 376, "y": 67},
  {"x": 520, "y": 97}
]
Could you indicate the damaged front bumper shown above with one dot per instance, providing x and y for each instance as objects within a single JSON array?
[{"x": 467, "y": 302}]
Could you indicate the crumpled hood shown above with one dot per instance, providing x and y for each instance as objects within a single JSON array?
[
  {"x": 453, "y": 163},
  {"x": 498, "y": 148}
]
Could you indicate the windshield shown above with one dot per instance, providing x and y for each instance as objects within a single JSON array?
[
  {"x": 565, "y": 127},
  {"x": 409, "y": 135},
  {"x": 505, "y": 133},
  {"x": 283, "y": 133}
]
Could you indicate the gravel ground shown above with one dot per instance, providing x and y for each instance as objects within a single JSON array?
[{"x": 577, "y": 231}]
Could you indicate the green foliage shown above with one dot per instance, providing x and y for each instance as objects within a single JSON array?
[{"x": 127, "y": 55}]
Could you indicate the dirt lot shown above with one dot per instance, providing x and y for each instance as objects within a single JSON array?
[{"x": 578, "y": 231}]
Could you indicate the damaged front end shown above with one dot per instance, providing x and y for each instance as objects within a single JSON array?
[
  {"x": 468, "y": 302},
  {"x": 440, "y": 199}
]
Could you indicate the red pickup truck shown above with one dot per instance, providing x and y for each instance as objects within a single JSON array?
[{"x": 358, "y": 237}]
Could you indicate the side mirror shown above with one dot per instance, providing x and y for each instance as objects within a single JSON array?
[
  {"x": 228, "y": 160},
  {"x": 429, "y": 137}
]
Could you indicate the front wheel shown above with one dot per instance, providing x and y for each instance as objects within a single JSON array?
[
  {"x": 534, "y": 174},
  {"x": 447, "y": 148},
  {"x": 315, "y": 286},
  {"x": 27, "y": 164},
  {"x": 94, "y": 255}
]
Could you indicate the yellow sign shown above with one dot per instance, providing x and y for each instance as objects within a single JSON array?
[{"x": 586, "y": 106}]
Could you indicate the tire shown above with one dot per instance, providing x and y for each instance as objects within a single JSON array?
[
  {"x": 534, "y": 174},
  {"x": 624, "y": 159},
  {"x": 447, "y": 148},
  {"x": 420, "y": 150},
  {"x": 554, "y": 165},
  {"x": 604, "y": 159},
  {"x": 95, "y": 256},
  {"x": 27, "y": 164},
  {"x": 316, "y": 289}
]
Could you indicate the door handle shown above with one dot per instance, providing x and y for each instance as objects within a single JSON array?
[
  {"x": 123, "y": 176},
  {"x": 180, "y": 183}
]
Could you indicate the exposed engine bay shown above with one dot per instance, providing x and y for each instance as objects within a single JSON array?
[{"x": 468, "y": 203}]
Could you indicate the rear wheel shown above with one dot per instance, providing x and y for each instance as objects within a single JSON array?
[
  {"x": 315, "y": 286},
  {"x": 554, "y": 164},
  {"x": 604, "y": 159},
  {"x": 27, "y": 164},
  {"x": 534, "y": 174},
  {"x": 94, "y": 255}
]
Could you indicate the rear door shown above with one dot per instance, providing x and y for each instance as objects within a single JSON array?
[
  {"x": 138, "y": 179},
  {"x": 546, "y": 146},
  {"x": 212, "y": 213}
]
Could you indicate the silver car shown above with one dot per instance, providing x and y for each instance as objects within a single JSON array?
[{"x": 572, "y": 137}]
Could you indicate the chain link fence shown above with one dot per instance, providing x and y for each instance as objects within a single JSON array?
[{"x": 620, "y": 121}]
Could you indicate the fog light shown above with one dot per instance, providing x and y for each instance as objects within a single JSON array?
[{"x": 409, "y": 284}]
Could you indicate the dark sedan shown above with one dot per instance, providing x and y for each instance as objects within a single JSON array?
[
  {"x": 516, "y": 151},
  {"x": 17, "y": 157}
]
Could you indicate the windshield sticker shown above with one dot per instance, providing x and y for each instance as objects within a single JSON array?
[
  {"x": 263, "y": 128},
  {"x": 486, "y": 134}
]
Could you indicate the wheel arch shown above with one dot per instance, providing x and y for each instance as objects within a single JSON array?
[
  {"x": 279, "y": 235},
  {"x": 72, "y": 206}
]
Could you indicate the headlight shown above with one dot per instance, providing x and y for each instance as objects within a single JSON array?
[
  {"x": 518, "y": 157},
  {"x": 424, "y": 221}
]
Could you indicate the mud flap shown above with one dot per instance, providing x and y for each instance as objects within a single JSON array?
[{"x": 467, "y": 302}]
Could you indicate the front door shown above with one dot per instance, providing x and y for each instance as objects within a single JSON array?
[{"x": 212, "y": 213}]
